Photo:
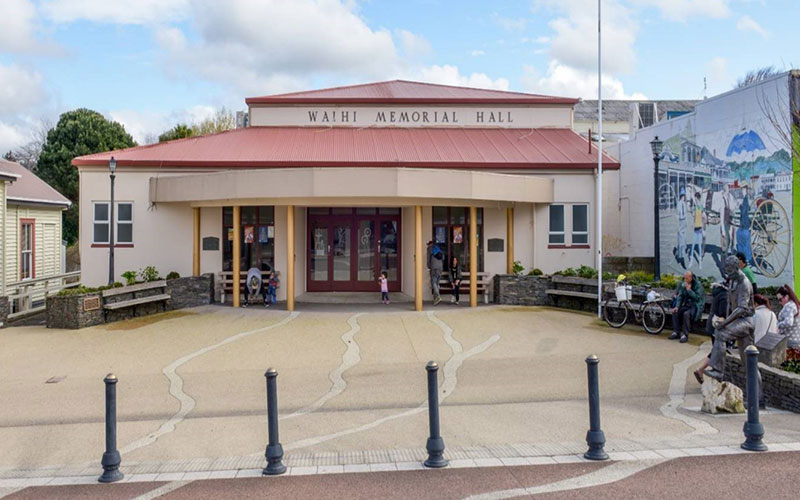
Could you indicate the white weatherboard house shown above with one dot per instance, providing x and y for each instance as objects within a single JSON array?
[
  {"x": 30, "y": 229},
  {"x": 331, "y": 187}
]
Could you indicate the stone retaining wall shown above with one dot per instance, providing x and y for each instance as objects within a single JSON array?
[
  {"x": 191, "y": 291},
  {"x": 781, "y": 388},
  {"x": 618, "y": 265},
  {"x": 5, "y": 309},
  {"x": 520, "y": 290},
  {"x": 67, "y": 311}
]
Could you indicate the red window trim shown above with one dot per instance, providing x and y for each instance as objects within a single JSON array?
[
  {"x": 583, "y": 247},
  {"x": 118, "y": 245},
  {"x": 32, "y": 223}
]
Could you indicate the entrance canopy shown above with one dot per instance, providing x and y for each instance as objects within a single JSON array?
[{"x": 352, "y": 187}]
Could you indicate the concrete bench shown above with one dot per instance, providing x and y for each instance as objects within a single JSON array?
[{"x": 483, "y": 283}]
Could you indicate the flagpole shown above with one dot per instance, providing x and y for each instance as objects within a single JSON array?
[{"x": 599, "y": 183}]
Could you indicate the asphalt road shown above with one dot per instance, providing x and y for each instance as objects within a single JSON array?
[{"x": 768, "y": 475}]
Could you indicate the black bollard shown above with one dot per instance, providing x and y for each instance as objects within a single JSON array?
[
  {"x": 595, "y": 437},
  {"x": 435, "y": 444},
  {"x": 753, "y": 430},
  {"x": 111, "y": 458},
  {"x": 274, "y": 451}
]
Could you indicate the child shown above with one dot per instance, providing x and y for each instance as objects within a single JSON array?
[
  {"x": 272, "y": 287},
  {"x": 384, "y": 287}
]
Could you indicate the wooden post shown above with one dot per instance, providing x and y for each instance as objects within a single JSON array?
[
  {"x": 237, "y": 253},
  {"x": 419, "y": 258},
  {"x": 290, "y": 258},
  {"x": 196, "y": 243},
  {"x": 510, "y": 240},
  {"x": 473, "y": 256}
]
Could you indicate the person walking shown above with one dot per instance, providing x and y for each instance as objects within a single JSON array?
[
  {"x": 384, "y": 281},
  {"x": 435, "y": 265},
  {"x": 455, "y": 279},
  {"x": 748, "y": 272},
  {"x": 688, "y": 307},
  {"x": 788, "y": 321},
  {"x": 766, "y": 322}
]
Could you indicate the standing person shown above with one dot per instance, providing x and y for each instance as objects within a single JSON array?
[
  {"x": 788, "y": 322},
  {"x": 766, "y": 322},
  {"x": 455, "y": 279},
  {"x": 697, "y": 237},
  {"x": 688, "y": 307},
  {"x": 681, "y": 213},
  {"x": 272, "y": 289},
  {"x": 384, "y": 281},
  {"x": 435, "y": 265},
  {"x": 747, "y": 271}
]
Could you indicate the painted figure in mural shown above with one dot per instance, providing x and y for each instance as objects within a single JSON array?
[
  {"x": 697, "y": 237},
  {"x": 738, "y": 325},
  {"x": 706, "y": 211},
  {"x": 681, "y": 213},
  {"x": 743, "y": 233},
  {"x": 727, "y": 229}
]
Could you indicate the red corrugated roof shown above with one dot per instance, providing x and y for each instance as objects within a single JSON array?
[
  {"x": 405, "y": 92},
  {"x": 29, "y": 188},
  {"x": 264, "y": 147}
]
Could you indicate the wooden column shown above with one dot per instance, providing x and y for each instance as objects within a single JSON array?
[
  {"x": 237, "y": 253},
  {"x": 473, "y": 257},
  {"x": 196, "y": 243},
  {"x": 419, "y": 258},
  {"x": 290, "y": 258},
  {"x": 510, "y": 240}
]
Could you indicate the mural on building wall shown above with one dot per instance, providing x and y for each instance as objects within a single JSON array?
[{"x": 724, "y": 193}]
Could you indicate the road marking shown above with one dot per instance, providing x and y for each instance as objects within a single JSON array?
[
  {"x": 609, "y": 474},
  {"x": 677, "y": 394},
  {"x": 448, "y": 386},
  {"x": 350, "y": 358},
  {"x": 162, "y": 490},
  {"x": 176, "y": 385}
]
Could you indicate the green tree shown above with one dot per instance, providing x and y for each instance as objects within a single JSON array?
[
  {"x": 179, "y": 131},
  {"x": 78, "y": 132}
]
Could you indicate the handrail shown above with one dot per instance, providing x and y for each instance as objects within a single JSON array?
[{"x": 45, "y": 278}]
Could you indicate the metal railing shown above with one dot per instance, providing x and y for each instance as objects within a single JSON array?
[{"x": 28, "y": 296}]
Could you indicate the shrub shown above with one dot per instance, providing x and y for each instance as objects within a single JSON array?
[
  {"x": 78, "y": 290},
  {"x": 130, "y": 277},
  {"x": 640, "y": 278},
  {"x": 669, "y": 281},
  {"x": 517, "y": 269},
  {"x": 568, "y": 272},
  {"x": 149, "y": 273},
  {"x": 535, "y": 272},
  {"x": 792, "y": 363},
  {"x": 587, "y": 272},
  {"x": 173, "y": 275},
  {"x": 117, "y": 284}
]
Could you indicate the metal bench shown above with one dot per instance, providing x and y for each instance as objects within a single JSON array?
[
  {"x": 116, "y": 305},
  {"x": 483, "y": 283}
]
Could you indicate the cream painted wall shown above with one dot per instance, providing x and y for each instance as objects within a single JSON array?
[
  {"x": 211, "y": 225},
  {"x": 47, "y": 241},
  {"x": 494, "y": 226},
  {"x": 2, "y": 237}
]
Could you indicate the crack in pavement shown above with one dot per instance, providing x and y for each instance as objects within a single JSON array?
[
  {"x": 350, "y": 358},
  {"x": 677, "y": 394},
  {"x": 176, "y": 385},
  {"x": 609, "y": 474},
  {"x": 448, "y": 386}
]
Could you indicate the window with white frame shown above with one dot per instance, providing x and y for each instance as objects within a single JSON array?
[
  {"x": 556, "y": 236},
  {"x": 123, "y": 218},
  {"x": 26, "y": 250},
  {"x": 580, "y": 224}
]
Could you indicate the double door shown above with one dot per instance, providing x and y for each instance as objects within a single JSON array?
[{"x": 348, "y": 252}]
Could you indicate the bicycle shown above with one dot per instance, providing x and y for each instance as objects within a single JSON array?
[{"x": 650, "y": 313}]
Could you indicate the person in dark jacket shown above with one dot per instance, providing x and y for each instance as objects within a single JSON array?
[
  {"x": 435, "y": 265},
  {"x": 455, "y": 279},
  {"x": 688, "y": 307}
]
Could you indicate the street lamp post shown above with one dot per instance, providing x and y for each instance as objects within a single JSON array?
[
  {"x": 112, "y": 167},
  {"x": 656, "y": 146}
]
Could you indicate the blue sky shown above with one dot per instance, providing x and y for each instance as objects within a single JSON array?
[{"x": 152, "y": 63}]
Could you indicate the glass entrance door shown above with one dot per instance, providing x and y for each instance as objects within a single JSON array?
[{"x": 348, "y": 249}]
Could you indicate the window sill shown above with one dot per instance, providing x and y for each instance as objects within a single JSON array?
[
  {"x": 578, "y": 247},
  {"x": 118, "y": 245}
]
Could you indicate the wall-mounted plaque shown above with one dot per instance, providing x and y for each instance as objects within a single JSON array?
[
  {"x": 495, "y": 244},
  {"x": 91, "y": 304},
  {"x": 210, "y": 243}
]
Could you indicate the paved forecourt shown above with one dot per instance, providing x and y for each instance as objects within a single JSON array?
[{"x": 191, "y": 395}]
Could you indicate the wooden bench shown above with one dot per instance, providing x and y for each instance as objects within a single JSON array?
[
  {"x": 137, "y": 300},
  {"x": 226, "y": 280},
  {"x": 483, "y": 283}
]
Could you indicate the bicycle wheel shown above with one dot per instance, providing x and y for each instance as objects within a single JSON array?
[
  {"x": 653, "y": 317},
  {"x": 615, "y": 313}
]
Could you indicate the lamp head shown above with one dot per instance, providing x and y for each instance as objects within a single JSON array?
[
  {"x": 112, "y": 165},
  {"x": 657, "y": 146}
]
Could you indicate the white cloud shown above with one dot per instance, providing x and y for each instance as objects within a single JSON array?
[
  {"x": 566, "y": 81},
  {"x": 509, "y": 24},
  {"x": 12, "y": 136},
  {"x": 116, "y": 11},
  {"x": 684, "y": 10},
  {"x": 476, "y": 53},
  {"x": 717, "y": 75},
  {"x": 414, "y": 46},
  {"x": 747, "y": 23},
  {"x": 450, "y": 75},
  {"x": 20, "y": 89},
  {"x": 142, "y": 124},
  {"x": 18, "y": 17}
]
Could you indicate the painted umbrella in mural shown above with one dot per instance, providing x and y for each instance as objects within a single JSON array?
[{"x": 770, "y": 237}]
